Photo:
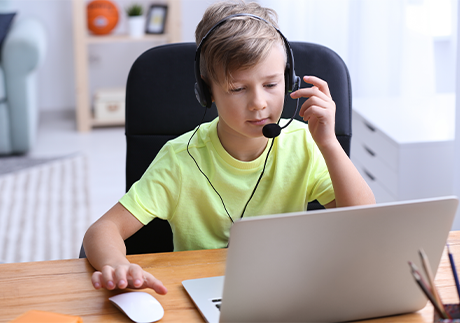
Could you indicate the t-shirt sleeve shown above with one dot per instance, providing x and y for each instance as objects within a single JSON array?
[{"x": 156, "y": 193}]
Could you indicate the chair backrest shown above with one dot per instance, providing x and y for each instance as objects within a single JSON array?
[{"x": 161, "y": 105}]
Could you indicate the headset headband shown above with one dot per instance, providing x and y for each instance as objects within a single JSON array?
[{"x": 202, "y": 92}]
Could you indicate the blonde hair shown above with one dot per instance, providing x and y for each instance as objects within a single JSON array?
[{"x": 239, "y": 43}]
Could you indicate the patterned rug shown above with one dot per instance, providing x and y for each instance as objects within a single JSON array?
[{"x": 44, "y": 209}]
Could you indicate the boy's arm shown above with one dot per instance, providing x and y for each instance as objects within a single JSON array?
[
  {"x": 349, "y": 186},
  {"x": 105, "y": 249},
  {"x": 319, "y": 110}
]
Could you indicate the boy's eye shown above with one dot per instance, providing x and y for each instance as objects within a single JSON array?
[
  {"x": 271, "y": 85},
  {"x": 235, "y": 90}
]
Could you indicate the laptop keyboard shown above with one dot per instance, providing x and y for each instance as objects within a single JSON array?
[{"x": 217, "y": 302}]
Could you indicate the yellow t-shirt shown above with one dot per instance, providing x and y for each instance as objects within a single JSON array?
[{"x": 173, "y": 188}]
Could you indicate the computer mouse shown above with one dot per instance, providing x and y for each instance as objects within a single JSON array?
[{"x": 139, "y": 306}]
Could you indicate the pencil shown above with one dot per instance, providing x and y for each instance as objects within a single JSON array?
[
  {"x": 426, "y": 291},
  {"x": 429, "y": 276},
  {"x": 454, "y": 270}
]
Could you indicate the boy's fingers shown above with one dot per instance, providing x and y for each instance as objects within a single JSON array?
[
  {"x": 312, "y": 101},
  {"x": 155, "y": 284},
  {"x": 308, "y": 92},
  {"x": 137, "y": 276},
  {"x": 120, "y": 277},
  {"x": 123, "y": 277},
  {"x": 320, "y": 88},
  {"x": 108, "y": 277},
  {"x": 321, "y": 84},
  {"x": 313, "y": 111},
  {"x": 96, "y": 279}
]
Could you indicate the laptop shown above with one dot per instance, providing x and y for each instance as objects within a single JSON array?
[{"x": 328, "y": 265}]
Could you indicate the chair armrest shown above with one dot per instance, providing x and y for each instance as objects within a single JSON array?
[{"x": 24, "y": 47}]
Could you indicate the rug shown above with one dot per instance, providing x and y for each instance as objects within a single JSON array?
[
  {"x": 10, "y": 164},
  {"x": 44, "y": 209}
]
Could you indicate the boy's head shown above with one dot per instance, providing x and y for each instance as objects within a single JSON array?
[{"x": 239, "y": 43}]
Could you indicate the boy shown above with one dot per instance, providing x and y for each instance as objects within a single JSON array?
[{"x": 226, "y": 169}]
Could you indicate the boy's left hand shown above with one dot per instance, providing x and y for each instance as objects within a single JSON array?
[{"x": 318, "y": 110}]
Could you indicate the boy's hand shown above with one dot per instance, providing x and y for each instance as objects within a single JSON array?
[
  {"x": 126, "y": 276},
  {"x": 318, "y": 110}
]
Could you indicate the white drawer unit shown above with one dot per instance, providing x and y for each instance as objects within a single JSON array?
[{"x": 404, "y": 147}]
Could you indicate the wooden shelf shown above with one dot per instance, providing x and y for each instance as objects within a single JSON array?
[
  {"x": 92, "y": 39},
  {"x": 82, "y": 39},
  {"x": 106, "y": 123}
]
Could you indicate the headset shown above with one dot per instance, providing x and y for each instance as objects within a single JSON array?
[{"x": 202, "y": 93}]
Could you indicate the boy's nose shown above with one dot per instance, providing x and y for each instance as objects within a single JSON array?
[{"x": 258, "y": 101}]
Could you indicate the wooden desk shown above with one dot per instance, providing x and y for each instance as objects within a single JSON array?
[{"x": 64, "y": 286}]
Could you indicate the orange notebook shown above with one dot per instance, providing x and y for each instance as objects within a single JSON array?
[{"x": 46, "y": 317}]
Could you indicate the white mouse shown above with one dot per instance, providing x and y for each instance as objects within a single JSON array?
[{"x": 140, "y": 307}]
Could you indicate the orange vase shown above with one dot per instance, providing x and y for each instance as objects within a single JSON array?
[{"x": 102, "y": 16}]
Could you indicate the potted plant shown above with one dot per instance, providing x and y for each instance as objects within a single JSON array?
[{"x": 136, "y": 20}]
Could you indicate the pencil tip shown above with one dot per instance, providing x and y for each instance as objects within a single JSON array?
[{"x": 412, "y": 266}]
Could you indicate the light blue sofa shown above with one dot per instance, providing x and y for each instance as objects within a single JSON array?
[{"x": 21, "y": 55}]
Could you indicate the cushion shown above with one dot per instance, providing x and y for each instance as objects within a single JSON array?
[{"x": 5, "y": 23}]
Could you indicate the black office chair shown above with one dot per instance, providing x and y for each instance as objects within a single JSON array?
[{"x": 161, "y": 105}]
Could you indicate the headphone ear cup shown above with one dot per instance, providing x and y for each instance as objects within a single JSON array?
[
  {"x": 287, "y": 80},
  {"x": 207, "y": 95},
  {"x": 202, "y": 94},
  {"x": 291, "y": 81},
  {"x": 199, "y": 95}
]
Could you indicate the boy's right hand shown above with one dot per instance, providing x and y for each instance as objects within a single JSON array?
[{"x": 126, "y": 276}]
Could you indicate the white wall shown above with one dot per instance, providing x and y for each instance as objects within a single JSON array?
[
  {"x": 360, "y": 47},
  {"x": 457, "y": 130}
]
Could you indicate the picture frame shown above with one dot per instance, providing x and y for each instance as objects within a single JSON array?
[{"x": 156, "y": 19}]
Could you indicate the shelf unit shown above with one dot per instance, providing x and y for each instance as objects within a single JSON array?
[{"x": 82, "y": 39}]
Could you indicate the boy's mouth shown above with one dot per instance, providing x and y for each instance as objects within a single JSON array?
[{"x": 259, "y": 122}]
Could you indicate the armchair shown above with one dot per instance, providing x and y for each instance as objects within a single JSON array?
[
  {"x": 156, "y": 113},
  {"x": 161, "y": 105},
  {"x": 21, "y": 54}
]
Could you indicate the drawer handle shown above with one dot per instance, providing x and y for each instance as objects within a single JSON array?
[
  {"x": 371, "y": 128},
  {"x": 371, "y": 177},
  {"x": 370, "y": 152}
]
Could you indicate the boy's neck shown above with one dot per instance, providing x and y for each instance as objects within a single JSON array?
[{"x": 243, "y": 149}]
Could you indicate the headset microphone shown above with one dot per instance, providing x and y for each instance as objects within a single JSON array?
[{"x": 271, "y": 130}]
